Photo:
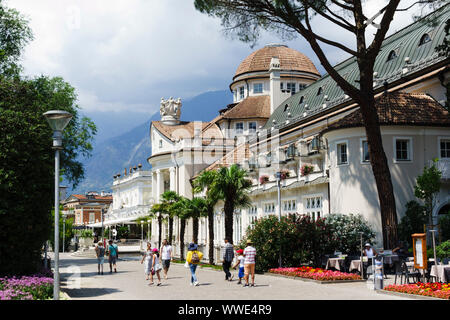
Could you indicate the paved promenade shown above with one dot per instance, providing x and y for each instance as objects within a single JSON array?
[{"x": 79, "y": 279}]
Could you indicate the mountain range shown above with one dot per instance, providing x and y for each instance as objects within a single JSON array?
[{"x": 112, "y": 155}]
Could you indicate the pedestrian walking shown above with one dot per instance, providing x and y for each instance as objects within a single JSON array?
[
  {"x": 193, "y": 259},
  {"x": 240, "y": 262},
  {"x": 227, "y": 259},
  {"x": 100, "y": 252},
  {"x": 166, "y": 256},
  {"x": 113, "y": 254},
  {"x": 156, "y": 267},
  {"x": 147, "y": 259},
  {"x": 249, "y": 263}
]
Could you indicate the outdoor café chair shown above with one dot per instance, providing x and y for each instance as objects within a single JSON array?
[
  {"x": 398, "y": 271},
  {"x": 415, "y": 274}
]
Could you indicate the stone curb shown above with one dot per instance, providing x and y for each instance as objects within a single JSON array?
[
  {"x": 408, "y": 295},
  {"x": 311, "y": 280}
]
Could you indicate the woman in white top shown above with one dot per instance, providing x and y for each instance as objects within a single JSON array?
[
  {"x": 369, "y": 252},
  {"x": 148, "y": 259},
  {"x": 156, "y": 267}
]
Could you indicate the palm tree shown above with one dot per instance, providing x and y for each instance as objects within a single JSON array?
[
  {"x": 169, "y": 198},
  {"x": 206, "y": 180},
  {"x": 232, "y": 186},
  {"x": 181, "y": 210},
  {"x": 157, "y": 211},
  {"x": 195, "y": 209}
]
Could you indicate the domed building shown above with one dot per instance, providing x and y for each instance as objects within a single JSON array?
[
  {"x": 275, "y": 70},
  {"x": 181, "y": 150}
]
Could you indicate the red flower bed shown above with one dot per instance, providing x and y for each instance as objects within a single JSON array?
[
  {"x": 434, "y": 289},
  {"x": 315, "y": 273}
]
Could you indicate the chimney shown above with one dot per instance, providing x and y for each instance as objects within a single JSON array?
[{"x": 275, "y": 91}]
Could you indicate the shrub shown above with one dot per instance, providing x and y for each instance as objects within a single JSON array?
[
  {"x": 443, "y": 250},
  {"x": 301, "y": 239},
  {"x": 86, "y": 233},
  {"x": 123, "y": 232},
  {"x": 413, "y": 221},
  {"x": 346, "y": 232},
  {"x": 444, "y": 226}
]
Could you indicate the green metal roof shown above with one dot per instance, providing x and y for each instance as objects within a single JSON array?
[{"x": 307, "y": 102}]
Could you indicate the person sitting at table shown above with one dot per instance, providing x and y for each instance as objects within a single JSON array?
[
  {"x": 401, "y": 251},
  {"x": 369, "y": 252}
]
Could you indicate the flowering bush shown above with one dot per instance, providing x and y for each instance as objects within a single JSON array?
[
  {"x": 435, "y": 289},
  {"x": 301, "y": 239},
  {"x": 263, "y": 179},
  {"x": 306, "y": 169},
  {"x": 35, "y": 287},
  {"x": 315, "y": 274}
]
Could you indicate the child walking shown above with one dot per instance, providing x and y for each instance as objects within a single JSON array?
[
  {"x": 156, "y": 267},
  {"x": 240, "y": 262}
]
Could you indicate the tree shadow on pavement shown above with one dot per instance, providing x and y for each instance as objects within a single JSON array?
[{"x": 89, "y": 292}]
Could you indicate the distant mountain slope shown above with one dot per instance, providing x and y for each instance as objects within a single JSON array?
[{"x": 113, "y": 155}]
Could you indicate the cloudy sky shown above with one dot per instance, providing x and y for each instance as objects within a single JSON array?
[{"x": 122, "y": 56}]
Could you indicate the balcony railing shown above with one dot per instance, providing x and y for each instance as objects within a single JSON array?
[{"x": 130, "y": 212}]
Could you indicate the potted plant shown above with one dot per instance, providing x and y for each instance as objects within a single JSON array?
[
  {"x": 306, "y": 169},
  {"x": 284, "y": 174},
  {"x": 263, "y": 179}
]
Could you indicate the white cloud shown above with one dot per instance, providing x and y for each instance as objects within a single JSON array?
[{"x": 125, "y": 55}]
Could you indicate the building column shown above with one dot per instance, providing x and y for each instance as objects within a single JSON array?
[
  {"x": 154, "y": 186},
  {"x": 173, "y": 180},
  {"x": 159, "y": 185}
]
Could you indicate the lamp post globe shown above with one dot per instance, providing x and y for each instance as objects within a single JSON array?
[{"x": 58, "y": 120}]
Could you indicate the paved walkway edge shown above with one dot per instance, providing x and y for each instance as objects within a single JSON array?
[{"x": 408, "y": 295}]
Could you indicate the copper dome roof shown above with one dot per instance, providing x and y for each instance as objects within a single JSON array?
[{"x": 290, "y": 59}]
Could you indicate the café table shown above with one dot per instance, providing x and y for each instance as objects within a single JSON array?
[
  {"x": 337, "y": 263},
  {"x": 355, "y": 265},
  {"x": 441, "y": 272},
  {"x": 390, "y": 259}
]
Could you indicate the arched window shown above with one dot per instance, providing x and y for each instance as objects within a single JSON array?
[
  {"x": 301, "y": 99},
  {"x": 424, "y": 39},
  {"x": 320, "y": 91},
  {"x": 286, "y": 106},
  {"x": 392, "y": 55}
]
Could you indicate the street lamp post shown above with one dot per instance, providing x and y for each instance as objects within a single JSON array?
[
  {"x": 142, "y": 231},
  {"x": 58, "y": 120},
  {"x": 64, "y": 231},
  {"x": 278, "y": 176}
]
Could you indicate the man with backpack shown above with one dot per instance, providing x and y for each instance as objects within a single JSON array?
[
  {"x": 113, "y": 254},
  {"x": 193, "y": 259}
]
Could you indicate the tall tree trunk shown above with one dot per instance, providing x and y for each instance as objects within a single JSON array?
[
  {"x": 380, "y": 169},
  {"x": 182, "y": 228},
  {"x": 211, "y": 236},
  {"x": 195, "y": 230},
  {"x": 229, "y": 209},
  {"x": 170, "y": 230}
]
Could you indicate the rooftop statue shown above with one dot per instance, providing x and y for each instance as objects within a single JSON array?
[{"x": 170, "y": 111}]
